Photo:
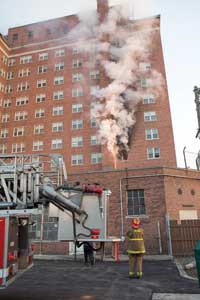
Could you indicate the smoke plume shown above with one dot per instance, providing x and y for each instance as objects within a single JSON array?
[{"x": 121, "y": 47}]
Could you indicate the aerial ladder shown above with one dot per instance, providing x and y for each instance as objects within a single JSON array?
[{"x": 27, "y": 183}]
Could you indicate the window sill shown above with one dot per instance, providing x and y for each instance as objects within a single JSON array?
[{"x": 137, "y": 216}]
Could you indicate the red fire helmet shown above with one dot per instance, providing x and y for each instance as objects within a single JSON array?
[{"x": 136, "y": 223}]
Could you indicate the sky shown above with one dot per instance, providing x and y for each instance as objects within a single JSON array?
[{"x": 180, "y": 25}]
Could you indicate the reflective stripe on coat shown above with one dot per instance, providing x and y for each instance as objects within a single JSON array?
[{"x": 135, "y": 241}]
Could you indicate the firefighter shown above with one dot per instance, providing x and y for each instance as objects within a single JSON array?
[
  {"x": 88, "y": 252},
  {"x": 136, "y": 249}
]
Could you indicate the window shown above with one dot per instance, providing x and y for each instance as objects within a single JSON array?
[
  {"x": 21, "y": 115},
  {"x": 76, "y": 51},
  {"x": 58, "y": 95},
  {"x": 59, "y": 66},
  {"x": 77, "y": 77},
  {"x": 94, "y": 89},
  {"x": 38, "y": 129},
  {"x": 23, "y": 86},
  {"x": 4, "y": 133},
  {"x": 77, "y": 124},
  {"x": 76, "y": 108},
  {"x": 40, "y": 98},
  {"x": 48, "y": 31},
  {"x": 22, "y": 101},
  {"x": 18, "y": 131},
  {"x": 7, "y": 103},
  {"x": 58, "y": 80},
  {"x": 11, "y": 62},
  {"x": 94, "y": 140},
  {"x": 96, "y": 158},
  {"x": 77, "y": 92},
  {"x": 145, "y": 66},
  {"x": 150, "y": 116},
  {"x": 136, "y": 203},
  {"x": 10, "y": 75},
  {"x": 77, "y": 160},
  {"x": 149, "y": 99},
  {"x": 153, "y": 153},
  {"x": 5, "y": 118},
  {"x": 2, "y": 73},
  {"x": 58, "y": 110},
  {"x": 77, "y": 63},
  {"x": 38, "y": 145},
  {"x": 93, "y": 123},
  {"x": 4, "y": 59},
  {"x": 144, "y": 82},
  {"x": 56, "y": 144},
  {"x": 15, "y": 37},
  {"x": 1, "y": 87},
  {"x": 57, "y": 127},
  {"x": 113, "y": 58},
  {"x": 41, "y": 83},
  {"x": 26, "y": 59},
  {"x": 77, "y": 141},
  {"x": 30, "y": 34},
  {"x": 43, "y": 56},
  {"x": 94, "y": 74},
  {"x": 8, "y": 89},
  {"x": 152, "y": 134},
  {"x": 39, "y": 113},
  {"x": 3, "y": 148},
  {"x": 17, "y": 148},
  {"x": 65, "y": 29},
  {"x": 60, "y": 52},
  {"x": 24, "y": 72},
  {"x": 42, "y": 69}
]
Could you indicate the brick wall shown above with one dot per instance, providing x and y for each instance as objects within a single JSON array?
[
  {"x": 160, "y": 187},
  {"x": 182, "y": 193}
]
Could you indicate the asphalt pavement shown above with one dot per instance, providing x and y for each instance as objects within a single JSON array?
[{"x": 69, "y": 280}]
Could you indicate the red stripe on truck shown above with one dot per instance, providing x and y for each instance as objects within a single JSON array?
[{"x": 2, "y": 243}]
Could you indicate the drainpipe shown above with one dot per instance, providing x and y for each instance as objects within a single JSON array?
[
  {"x": 159, "y": 237},
  {"x": 121, "y": 209},
  {"x": 102, "y": 9}
]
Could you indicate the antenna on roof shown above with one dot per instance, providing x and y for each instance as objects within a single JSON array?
[{"x": 131, "y": 6}]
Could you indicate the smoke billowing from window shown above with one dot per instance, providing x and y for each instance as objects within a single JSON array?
[{"x": 122, "y": 48}]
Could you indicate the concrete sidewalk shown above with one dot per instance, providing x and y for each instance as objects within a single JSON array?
[{"x": 175, "y": 297}]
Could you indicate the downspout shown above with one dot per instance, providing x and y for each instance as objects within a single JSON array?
[{"x": 121, "y": 209}]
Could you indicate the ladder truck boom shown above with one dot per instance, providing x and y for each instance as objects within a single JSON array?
[{"x": 26, "y": 184}]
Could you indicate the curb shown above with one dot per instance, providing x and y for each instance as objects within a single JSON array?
[{"x": 182, "y": 271}]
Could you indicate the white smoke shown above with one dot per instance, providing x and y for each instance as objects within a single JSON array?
[{"x": 121, "y": 46}]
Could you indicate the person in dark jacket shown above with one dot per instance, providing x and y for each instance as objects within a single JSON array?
[
  {"x": 88, "y": 252},
  {"x": 136, "y": 249}
]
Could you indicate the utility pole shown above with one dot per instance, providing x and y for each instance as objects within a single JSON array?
[{"x": 197, "y": 101}]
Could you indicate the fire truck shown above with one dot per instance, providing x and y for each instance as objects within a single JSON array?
[{"x": 29, "y": 182}]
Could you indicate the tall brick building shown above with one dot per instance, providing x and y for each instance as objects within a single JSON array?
[
  {"x": 46, "y": 97},
  {"x": 46, "y": 84}
]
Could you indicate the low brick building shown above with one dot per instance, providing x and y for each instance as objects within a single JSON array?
[{"x": 152, "y": 193}]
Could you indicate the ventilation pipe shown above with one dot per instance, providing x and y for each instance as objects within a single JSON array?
[{"x": 102, "y": 9}]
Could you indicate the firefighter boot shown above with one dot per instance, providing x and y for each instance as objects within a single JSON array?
[
  {"x": 132, "y": 275},
  {"x": 139, "y": 274}
]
